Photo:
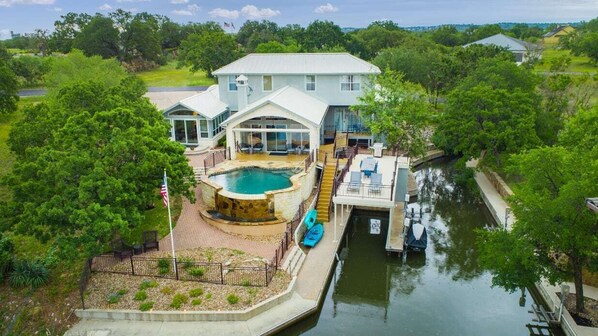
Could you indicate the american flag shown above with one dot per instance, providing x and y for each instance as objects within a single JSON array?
[
  {"x": 164, "y": 191},
  {"x": 226, "y": 25}
]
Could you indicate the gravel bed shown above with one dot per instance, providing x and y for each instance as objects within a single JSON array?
[{"x": 122, "y": 288}]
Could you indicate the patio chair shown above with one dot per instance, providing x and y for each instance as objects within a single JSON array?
[
  {"x": 258, "y": 147},
  {"x": 375, "y": 184},
  {"x": 245, "y": 148},
  {"x": 354, "y": 182},
  {"x": 150, "y": 240},
  {"x": 120, "y": 249},
  {"x": 305, "y": 149}
]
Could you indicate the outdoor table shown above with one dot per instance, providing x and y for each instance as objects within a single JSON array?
[{"x": 368, "y": 166}]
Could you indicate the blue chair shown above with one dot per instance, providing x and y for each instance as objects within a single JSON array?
[
  {"x": 354, "y": 182},
  {"x": 375, "y": 184}
]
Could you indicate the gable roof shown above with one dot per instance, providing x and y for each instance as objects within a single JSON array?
[
  {"x": 556, "y": 30},
  {"x": 304, "y": 106},
  {"x": 501, "y": 40},
  {"x": 296, "y": 64},
  {"x": 206, "y": 103}
]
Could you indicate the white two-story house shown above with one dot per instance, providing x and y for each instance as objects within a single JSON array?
[{"x": 276, "y": 103}]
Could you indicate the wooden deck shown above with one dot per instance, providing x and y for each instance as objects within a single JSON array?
[{"x": 394, "y": 239}]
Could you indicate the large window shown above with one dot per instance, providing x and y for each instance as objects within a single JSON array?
[
  {"x": 185, "y": 131},
  {"x": 232, "y": 83},
  {"x": 267, "y": 83},
  {"x": 350, "y": 83},
  {"x": 310, "y": 83},
  {"x": 216, "y": 123}
]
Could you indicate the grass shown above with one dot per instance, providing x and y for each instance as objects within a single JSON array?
[
  {"x": 169, "y": 75},
  {"x": 156, "y": 219},
  {"x": 578, "y": 63}
]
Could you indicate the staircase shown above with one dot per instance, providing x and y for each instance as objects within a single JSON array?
[
  {"x": 293, "y": 261},
  {"x": 198, "y": 172},
  {"x": 325, "y": 191}
]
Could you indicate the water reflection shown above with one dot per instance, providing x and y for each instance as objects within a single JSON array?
[{"x": 440, "y": 292}]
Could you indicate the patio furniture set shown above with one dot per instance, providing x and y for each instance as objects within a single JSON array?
[
  {"x": 256, "y": 148},
  {"x": 121, "y": 250},
  {"x": 369, "y": 169}
]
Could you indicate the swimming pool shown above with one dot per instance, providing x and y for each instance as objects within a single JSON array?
[{"x": 254, "y": 180}]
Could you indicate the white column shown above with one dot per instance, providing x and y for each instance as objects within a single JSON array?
[
  {"x": 335, "y": 240},
  {"x": 314, "y": 137},
  {"x": 230, "y": 141}
]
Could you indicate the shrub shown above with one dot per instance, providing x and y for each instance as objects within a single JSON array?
[
  {"x": 187, "y": 263},
  {"x": 196, "y": 292},
  {"x": 196, "y": 302},
  {"x": 140, "y": 296},
  {"x": 164, "y": 266},
  {"x": 196, "y": 271},
  {"x": 178, "y": 300},
  {"x": 7, "y": 248},
  {"x": 29, "y": 273},
  {"x": 167, "y": 290},
  {"x": 113, "y": 298},
  {"x": 222, "y": 142},
  {"x": 232, "y": 299},
  {"x": 145, "y": 284},
  {"x": 146, "y": 306},
  {"x": 122, "y": 292},
  {"x": 208, "y": 296},
  {"x": 246, "y": 283}
]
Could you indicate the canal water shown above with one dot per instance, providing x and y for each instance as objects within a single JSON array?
[{"x": 443, "y": 291}]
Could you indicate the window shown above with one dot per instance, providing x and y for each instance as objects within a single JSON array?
[
  {"x": 267, "y": 83},
  {"x": 350, "y": 83},
  {"x": 203, "y": 128},
  {"x": 232, "y": 83},
  {"x": 310, "y": 83},
  {"x": 185, "y": 131}
]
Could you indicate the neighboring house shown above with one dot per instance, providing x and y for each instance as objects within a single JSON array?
[
  {"x": 522, "y": 50},
  {"x": 283, "y": 102},
  {"x": 554, "y": 36}
]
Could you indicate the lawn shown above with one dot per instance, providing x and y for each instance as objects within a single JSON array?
[
  {"x": 156, "y": 219},
  {"x": 169, "y": 75},
  {"x": 578, "y": 63}
]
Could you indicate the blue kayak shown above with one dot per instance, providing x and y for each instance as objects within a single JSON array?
[
  {"x": 310, "y": 219},
  {"x": 314, "y": 235}
]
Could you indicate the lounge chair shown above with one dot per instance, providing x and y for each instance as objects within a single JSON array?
[
  {"x": 305, "y": 149},
  {"x": 150, "y": 240},
  {"x": 120, "y": 249},
  {"x": 258, "y": 147},
  {"x": 354, "y": 182},
  {"x": 375, "y": 184},
  {"x": 245, "y": 148}
]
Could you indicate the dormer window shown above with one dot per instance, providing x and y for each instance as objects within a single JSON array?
[
  {"x": 232, "y": 83},
  {"x": 310, "y": 83},
  {"x": 350, "y": 83}
]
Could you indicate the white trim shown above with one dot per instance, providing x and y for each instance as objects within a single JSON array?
[
  {"x": 315, "y": 83},
  {"x": 271, "y": 83}
]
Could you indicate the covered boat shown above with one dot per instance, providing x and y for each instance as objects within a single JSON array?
[{"x": 417, "y": 237}]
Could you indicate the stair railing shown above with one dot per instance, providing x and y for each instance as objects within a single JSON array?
[{"x": 321, "y": 178}]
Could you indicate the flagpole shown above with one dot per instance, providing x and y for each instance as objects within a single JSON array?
[{"x": 169, "y": 217}]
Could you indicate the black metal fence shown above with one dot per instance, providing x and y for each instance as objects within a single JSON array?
[
  {"x": 216, "y": 157},
  {"x": 187, "y": 270},
  {"x": 288, "y": 237}
]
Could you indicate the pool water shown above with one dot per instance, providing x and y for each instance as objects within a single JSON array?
[{"x": 254, "y": 180}]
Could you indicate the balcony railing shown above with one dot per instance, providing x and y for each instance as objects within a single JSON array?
[{"x": 365, "y": 190}]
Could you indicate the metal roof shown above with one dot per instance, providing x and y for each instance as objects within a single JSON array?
[
  {"x": 292, "y": 100},
  {"x": 206, "y": 103},
  {"x": 511, "y": 43},
  {"x": 296, "y": 64}
]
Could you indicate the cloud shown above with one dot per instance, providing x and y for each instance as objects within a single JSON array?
[
  {"x": 55, "y": 9},
  {"x": 4, "y": 34},
  {"x": 252, "y": 12},
  {"x": 191, "y": 10},
  {"x": 327, "y": 8},
  {"x": 178, "y": 2},
  {"x": 105, "y": 7},
  {"x": 9, "y": 3},
  {"x": 224, "y": 13}
]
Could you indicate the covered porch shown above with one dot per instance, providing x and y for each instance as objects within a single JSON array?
[{"x": 285, "y": 123}]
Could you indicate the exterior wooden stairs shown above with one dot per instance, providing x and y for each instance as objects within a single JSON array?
[{"x": 328, "y": 174}]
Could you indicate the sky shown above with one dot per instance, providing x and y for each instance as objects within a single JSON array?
[{"x": 24, "y": 16}]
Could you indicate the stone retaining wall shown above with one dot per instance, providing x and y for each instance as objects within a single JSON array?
[{"x": 498, "y": 183}]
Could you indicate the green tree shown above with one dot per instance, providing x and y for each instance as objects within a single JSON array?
[
  {"x": 376, "y": 38},
  {"x": 66, "y": 29},
  {"x": 30, "y": 70},
  {"x": 253, "y": 33},
  {"x": 208, "y": 51},
  {"x": 8, "y": 89},
  {"x": 397, "y": 110},
  {"x": 98, "y": 168},
  {"x": 587, "y": 44},
  {"x": 98, "y": 37},
  {"x": 493, "y": 110},
  {"x": 276, "y": 47},
  {"x": 446, "y": 35},
  {"x": 76, "y": 67},
  {"x": 323, "y": 34}
]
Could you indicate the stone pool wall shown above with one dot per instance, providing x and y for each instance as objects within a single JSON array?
[{"x": 248, "y": 209}]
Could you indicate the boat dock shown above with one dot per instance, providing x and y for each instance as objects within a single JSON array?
[{"x": 395, "y": 238}]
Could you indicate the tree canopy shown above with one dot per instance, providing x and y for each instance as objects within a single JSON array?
[
  {"x": 89, "y": 162},
  {"x": 208, "y": 51},
  {"x": 398, "y": 111},
  {"x": 8, "y": 86}
]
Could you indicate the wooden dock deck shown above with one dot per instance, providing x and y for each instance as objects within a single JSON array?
[{"x": 394, "y": 238}]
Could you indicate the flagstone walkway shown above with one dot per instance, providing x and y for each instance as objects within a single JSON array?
[{"x": 191, "y": 231}]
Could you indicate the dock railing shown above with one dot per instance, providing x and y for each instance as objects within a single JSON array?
[{"x": 382, "y": 192}]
